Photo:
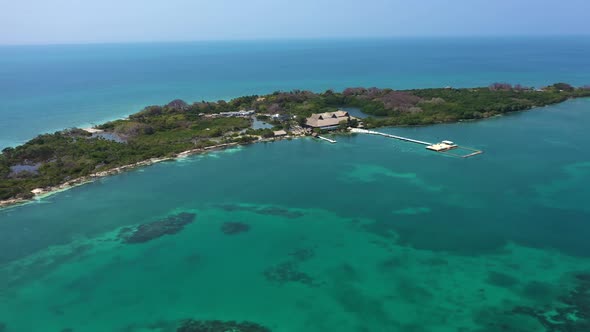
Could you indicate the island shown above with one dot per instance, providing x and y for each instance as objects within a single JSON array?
[{"x": 73, "y": 156}]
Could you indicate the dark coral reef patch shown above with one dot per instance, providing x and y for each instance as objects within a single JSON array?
[
  {"x": 303, "y": 254},
  {"x": 287, "y": 272},
  {"x": 220, "y": 326},
  {"x": 232, "y": 228},
  {"x": 276, "y": 211},
  {"x": 153, "y": 230},
  {"x": 573, "y": 316},
  {"x": 270, "y": 210}
]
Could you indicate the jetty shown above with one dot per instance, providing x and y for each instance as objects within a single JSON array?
[
  {"x": 442, "y": 147},
  {"x": 371, "y": 132},
  {"x": 327, "y": 139}
]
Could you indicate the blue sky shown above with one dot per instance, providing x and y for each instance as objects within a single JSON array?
[{"x": 88, "y": 21}]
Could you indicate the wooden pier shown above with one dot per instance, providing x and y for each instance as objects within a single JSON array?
[
  {"x": 326, "y": 139},
  {"x": 371, "y": 132},
  {"x": 442, "y": 147}
]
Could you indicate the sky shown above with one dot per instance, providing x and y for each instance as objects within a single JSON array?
[{"x": 100, "y": 21}]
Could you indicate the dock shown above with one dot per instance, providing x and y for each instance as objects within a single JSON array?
[
  {"x": 442, "y": 147},
  {"x": 405, "y": 139},
  {"x": 326, "y": 139},
  {"x": 473, "y": 154}
]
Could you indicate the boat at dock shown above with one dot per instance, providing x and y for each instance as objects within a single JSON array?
[{"x": 442, "y": 147}]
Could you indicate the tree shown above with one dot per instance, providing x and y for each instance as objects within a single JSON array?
[
  {"x": 7, "y": 151},
  {"x": 301, "y": 121},
  {"x": 275, "y": 108},
  {"x": 177, "y": 105},
  {"x": 563, "y": 87},
  {"x": 342, "y": 125},
  {"x": 217, "y": 132},
  {"x": 500, "y": 87},
  {"x": 267, "y": 133}
]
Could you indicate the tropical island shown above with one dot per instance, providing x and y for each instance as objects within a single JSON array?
[{"x": 73, "y": 156}]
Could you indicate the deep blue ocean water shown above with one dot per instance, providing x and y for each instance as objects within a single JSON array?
[
  {"x": 46, "y": 88},
  {"x": 369, "y": 234}
]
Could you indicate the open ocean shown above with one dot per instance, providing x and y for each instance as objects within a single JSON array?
[
  {"x": 48, "y": 88},
  {"x": 369, "y": 234}
]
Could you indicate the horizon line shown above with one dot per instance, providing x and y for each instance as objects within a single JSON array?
[{"x": 287, "y": 39}]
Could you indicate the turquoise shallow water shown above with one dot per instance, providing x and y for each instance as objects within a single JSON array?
[
  {"x": 47, "y": 88},
  {"x": 368, "y": 234}
]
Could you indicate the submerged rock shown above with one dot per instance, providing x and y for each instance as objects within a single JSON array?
[
  {"x": 220, "y": 326},
  {"x": 232, "y": 228},
  {"x": 153, "y": 230}
]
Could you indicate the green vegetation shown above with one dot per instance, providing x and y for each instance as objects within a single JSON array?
[
  {"x": 160, "y": 131},
  {"x": 431, "y": 106}
]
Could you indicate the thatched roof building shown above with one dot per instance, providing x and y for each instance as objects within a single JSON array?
[{"x": 327, "y": 120}]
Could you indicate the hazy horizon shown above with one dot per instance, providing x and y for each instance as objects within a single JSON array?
[
  {"x": 36, "y": 22},
  {"x": 303, "y": 39}
]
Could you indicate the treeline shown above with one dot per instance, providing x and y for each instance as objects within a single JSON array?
[
  {"x": 71, "y": 154},
  {"x": 431, "y": 106}
]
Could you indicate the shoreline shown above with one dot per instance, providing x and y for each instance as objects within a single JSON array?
[
  {"x": 84, "y": 125},
  {"x": 41, "y": 193}
]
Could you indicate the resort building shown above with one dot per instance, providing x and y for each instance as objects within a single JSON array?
[
  {"x": 280, "y": 133},
  {"x": 328, "y": 120}
]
